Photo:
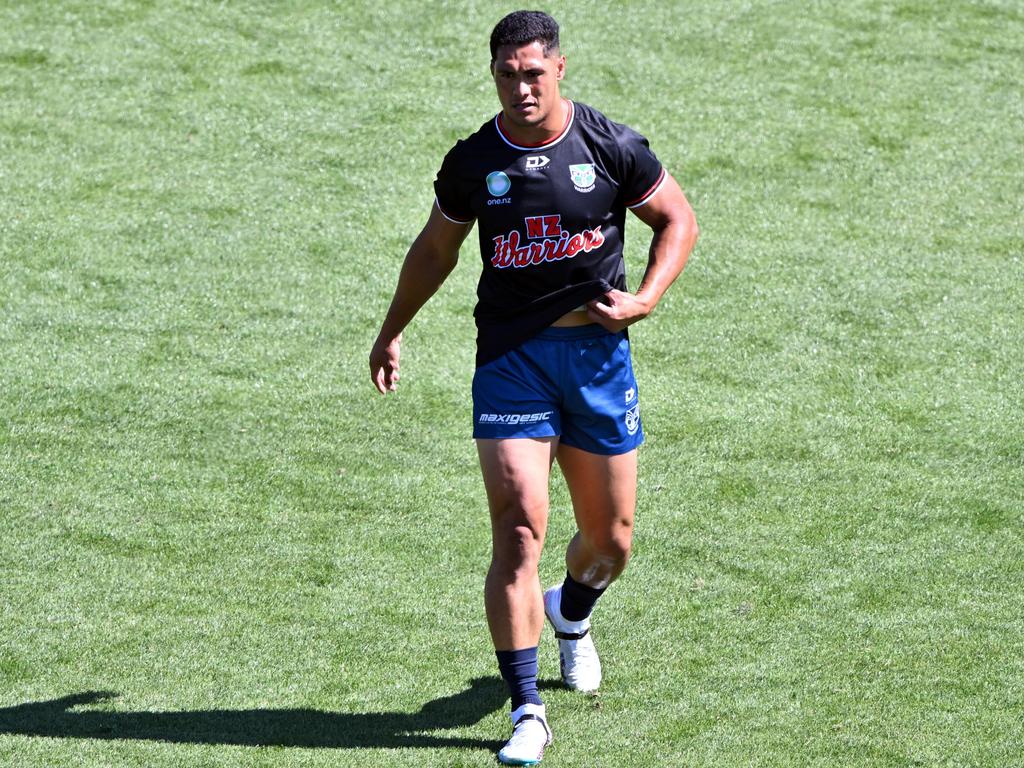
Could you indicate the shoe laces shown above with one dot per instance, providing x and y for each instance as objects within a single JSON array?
[{"x": 530, "y": 732}]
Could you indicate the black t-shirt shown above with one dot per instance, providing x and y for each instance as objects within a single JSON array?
[{"x": 551, "y": 218}]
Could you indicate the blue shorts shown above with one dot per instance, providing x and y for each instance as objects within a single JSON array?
[{"x": 576, "y": 383}]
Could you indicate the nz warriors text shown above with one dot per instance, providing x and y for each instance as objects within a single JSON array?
[{"x": 549, "y": 242}]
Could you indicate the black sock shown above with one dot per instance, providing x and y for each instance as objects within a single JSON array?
[
  {"x": 519, "y": 668},
  {"x": 577, "y": 599}
]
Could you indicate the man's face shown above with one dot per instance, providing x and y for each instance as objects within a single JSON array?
[{"x": 527, "y": 83}]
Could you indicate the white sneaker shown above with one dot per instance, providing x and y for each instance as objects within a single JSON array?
[
  {"x": 581, "y": 669},
  {"x": 530, "y": 734}
]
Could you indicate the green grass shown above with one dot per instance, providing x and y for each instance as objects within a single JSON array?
[{"x": 220, "y": 548}]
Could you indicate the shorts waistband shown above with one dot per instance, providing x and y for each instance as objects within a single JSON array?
[{"x": 574, "y": 332}]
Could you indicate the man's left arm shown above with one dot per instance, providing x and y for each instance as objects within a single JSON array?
[{"x": 669, "y": 214}]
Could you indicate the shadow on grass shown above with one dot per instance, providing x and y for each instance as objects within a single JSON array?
[{"x": 264, "y": 727}]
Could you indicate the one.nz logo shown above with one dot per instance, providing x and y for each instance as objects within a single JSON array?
[
  {"x": 498, "y": 183},
  {"x": 583, "y": 176}
]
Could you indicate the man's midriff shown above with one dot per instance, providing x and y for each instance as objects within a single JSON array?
[{"x": 578, "y": 316}]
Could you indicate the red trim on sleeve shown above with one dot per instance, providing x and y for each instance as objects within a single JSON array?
[
  {"x": 448, "y": 216},
  {"x": 643, "y": 198}
]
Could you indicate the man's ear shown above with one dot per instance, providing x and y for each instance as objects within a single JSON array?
[{"x": 560, "y": 70}]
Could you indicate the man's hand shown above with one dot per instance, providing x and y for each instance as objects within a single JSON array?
[
  {"x": 430, "y": 259},
  {"x": 617, "y": 309},
  {"x": 384, "y": 363}
]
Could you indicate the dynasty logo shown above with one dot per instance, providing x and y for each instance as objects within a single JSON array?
[{"x": 548, "y": 242}]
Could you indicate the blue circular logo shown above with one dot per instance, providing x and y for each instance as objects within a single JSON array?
[{"x": 498, "y": 183}]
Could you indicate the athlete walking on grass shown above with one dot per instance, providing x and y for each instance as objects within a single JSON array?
[{"x": 548, "y": 182}]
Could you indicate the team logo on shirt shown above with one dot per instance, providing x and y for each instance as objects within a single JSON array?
[
  {"x": 583, "y": 176},
  {"x": 498, "y": 183},
  {"x": 547, "y": 242}
]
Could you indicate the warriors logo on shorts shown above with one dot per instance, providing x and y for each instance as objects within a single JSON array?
[{"x": 633, "y": 419}]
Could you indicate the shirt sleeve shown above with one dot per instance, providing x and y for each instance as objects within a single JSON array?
[
  {"x": 641, "y": 173},
  {"x": 451, "y": 192}
]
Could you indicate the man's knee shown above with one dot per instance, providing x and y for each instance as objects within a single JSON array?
[
  {"x": 614, "y": 545},
  {"x": 517, "y": 543},
  {"x": 518, "y": 538},
  {"x": 616, "y": 553}
]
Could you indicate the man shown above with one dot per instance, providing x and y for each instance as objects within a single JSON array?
[{"x": 548, "y": 181}]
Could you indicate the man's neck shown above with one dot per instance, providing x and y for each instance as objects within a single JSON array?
[{"x": 553, "y": 125}]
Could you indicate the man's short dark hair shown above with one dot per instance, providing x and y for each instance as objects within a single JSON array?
[{"x": 525, "y": 27}]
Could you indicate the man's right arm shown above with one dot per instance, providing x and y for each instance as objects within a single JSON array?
[{"x": 430, "y": 260}]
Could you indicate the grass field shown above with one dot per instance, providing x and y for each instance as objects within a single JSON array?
[{"x": 220, "y": 547}]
